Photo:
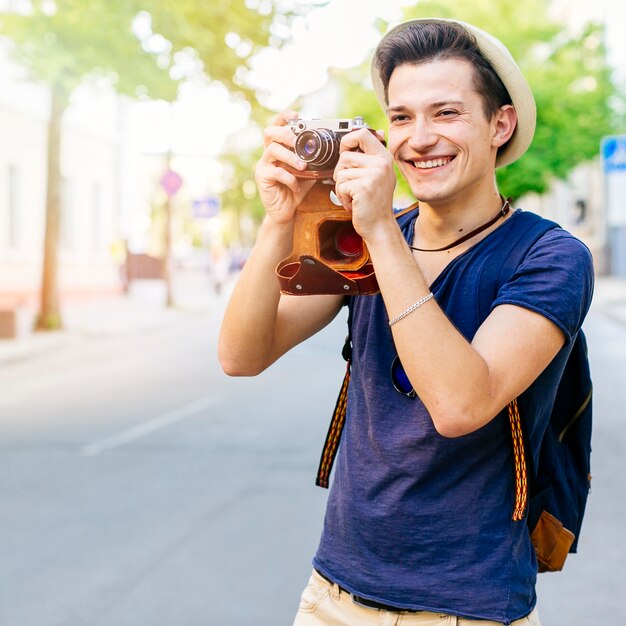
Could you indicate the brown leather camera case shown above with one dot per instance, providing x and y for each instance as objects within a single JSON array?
[{"x": 328, "y": 256}]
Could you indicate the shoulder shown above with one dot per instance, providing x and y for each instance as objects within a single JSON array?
[
  {"x": 558, "y": 248},
  {"x": 532, "y": 238},
  {"x": 555, "y": 277}
]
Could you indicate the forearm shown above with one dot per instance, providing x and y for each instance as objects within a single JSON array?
[
  {"x": 450, "y": 376},
  {"x": 246, "y": 340}
]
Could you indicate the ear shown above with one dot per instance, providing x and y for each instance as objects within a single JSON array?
[{"x": 504, "y": 122}]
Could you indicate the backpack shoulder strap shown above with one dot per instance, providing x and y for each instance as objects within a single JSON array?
[
  {"x": 561, "y": 485},
  {"x": 505, "y": 261},
  {"x": 404, "y": 216},
  {"x": 535, "y": 228},
  {"x": 499, "y": 268}
]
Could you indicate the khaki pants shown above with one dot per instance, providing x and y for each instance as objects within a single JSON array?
[{"x": 324, "y": 604}]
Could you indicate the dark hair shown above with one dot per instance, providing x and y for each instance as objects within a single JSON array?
[{"x": 430, "y": 41}]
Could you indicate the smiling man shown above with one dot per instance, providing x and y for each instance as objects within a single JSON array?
[{"x": 419, "y": 526}]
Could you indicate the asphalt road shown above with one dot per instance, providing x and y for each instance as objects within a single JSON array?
[{"x": 140, "y": 486}]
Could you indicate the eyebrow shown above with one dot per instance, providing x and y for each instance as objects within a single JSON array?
[{"x": 434, "y": 105}]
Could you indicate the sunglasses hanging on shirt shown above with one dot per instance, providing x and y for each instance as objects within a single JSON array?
[{"x": 400, "y": 380}]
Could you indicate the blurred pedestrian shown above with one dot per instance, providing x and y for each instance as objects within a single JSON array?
[{"x": 220, "y": 267}]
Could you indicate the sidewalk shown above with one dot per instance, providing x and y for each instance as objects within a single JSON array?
[
  {"x": 609, "y": 298},
  {"x": 142, "y": 310}
]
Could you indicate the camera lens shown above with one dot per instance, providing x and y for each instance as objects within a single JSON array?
[
  {"x": 310, "y": 147},
  {"x": 318, "y": 147}
]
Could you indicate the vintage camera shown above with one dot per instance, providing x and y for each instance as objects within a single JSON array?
[
  {"x": 328, "y": 255},
  {"x": 317, "y": 141}
]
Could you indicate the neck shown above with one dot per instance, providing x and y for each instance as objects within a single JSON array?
[
  {"x": 461, "y": 234},
  {"x": 438, "y": 223}
]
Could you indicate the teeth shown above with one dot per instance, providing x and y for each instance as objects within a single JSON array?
[{"x": 426, "y": 165}]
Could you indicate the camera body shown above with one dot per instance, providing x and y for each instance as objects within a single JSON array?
[{"x": 317, "y": 140}]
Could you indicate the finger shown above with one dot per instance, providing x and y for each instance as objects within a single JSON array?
[
  {"x": 276, "y": 153},
  {"x": 268, "y": 176},
  {"x": 350, "y": 159},
  {"x": 346, "y": 201},
  {"x": 363, "y": 140},
  {"x": 352, "y": 165},
  {"x": 289, "y": 180},
  {"x": 279, "y": 134},
  {"x": 351, "y": 173},
  {"x": 343, "y": 192},
  {"x": 284, "y": 116}
]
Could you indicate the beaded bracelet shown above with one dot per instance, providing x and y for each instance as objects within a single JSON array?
[{"x": 412, "y": 308}]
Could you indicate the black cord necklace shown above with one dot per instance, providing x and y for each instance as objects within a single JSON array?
[{"x": 506, "y": 207}]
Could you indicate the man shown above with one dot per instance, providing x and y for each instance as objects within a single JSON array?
[{"x": 418, "y": 526}]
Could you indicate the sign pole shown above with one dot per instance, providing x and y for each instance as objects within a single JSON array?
[
  {"x": 613, "y": 154},
  {"x": 171, "y": 182}
]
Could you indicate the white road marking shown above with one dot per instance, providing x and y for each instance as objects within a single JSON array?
[{"x": 149, "y": 426}]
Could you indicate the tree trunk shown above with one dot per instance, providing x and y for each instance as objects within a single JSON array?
[
  {"x": 167, "y": 241},
  {"x": 167, "y": 261},
  {"x": 49, "y": 317}
]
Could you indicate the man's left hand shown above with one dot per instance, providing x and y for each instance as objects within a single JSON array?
[{"x": 365, "y": 180}]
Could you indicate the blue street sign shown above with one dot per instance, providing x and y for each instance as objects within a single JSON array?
[
  {"x": 613, "y": 152},
  {"x": 204, "y": 208}
]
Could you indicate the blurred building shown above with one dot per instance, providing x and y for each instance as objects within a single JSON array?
[
  {"x": 578, "y": 205},
  {"x": 92, "y": 163},
  {"x": 113, "y": 156}
]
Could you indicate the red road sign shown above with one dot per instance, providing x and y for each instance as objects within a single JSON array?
[{"x": 171, "y": 182}]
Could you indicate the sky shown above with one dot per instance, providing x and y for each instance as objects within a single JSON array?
[
  {"x": 339, "y": 34},
  {"x": 342, "y": 34}
]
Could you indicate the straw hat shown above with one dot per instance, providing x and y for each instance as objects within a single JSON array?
[{"x": 510, "y": 74}]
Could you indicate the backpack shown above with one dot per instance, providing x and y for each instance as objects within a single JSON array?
[{"x": 552, "y": 501}]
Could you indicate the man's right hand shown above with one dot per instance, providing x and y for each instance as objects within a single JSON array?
[
  {"x": 260, "y": 324},
  {"x": 280, "y": 191}
]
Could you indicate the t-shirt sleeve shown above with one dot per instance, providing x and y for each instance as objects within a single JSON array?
[{"x": 555, "y": 279}]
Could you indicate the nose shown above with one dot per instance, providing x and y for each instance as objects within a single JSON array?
[{"x": 422, "y": 135}]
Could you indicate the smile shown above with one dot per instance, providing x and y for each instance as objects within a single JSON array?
[{"x": 431, "y": 164}]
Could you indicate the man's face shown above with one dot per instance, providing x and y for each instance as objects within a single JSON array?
[{"x": 438, "y": 132}]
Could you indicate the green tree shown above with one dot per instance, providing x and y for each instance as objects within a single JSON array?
[
  {"x": 222, "y": 36},
  {"x": 567, "y": 72},
  {"x": 142, "y": 47},
  {"x": 240, "y": 196}
]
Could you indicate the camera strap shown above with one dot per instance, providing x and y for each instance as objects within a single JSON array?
[{"x": 338, "y": 420}]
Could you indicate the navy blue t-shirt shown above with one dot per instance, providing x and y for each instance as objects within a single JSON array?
[{"x": 420, "y": 521}]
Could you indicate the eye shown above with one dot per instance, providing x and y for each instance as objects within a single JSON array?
[
  {"x": 447, "y": 113},
  {"x": 398, "y": 117}
]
